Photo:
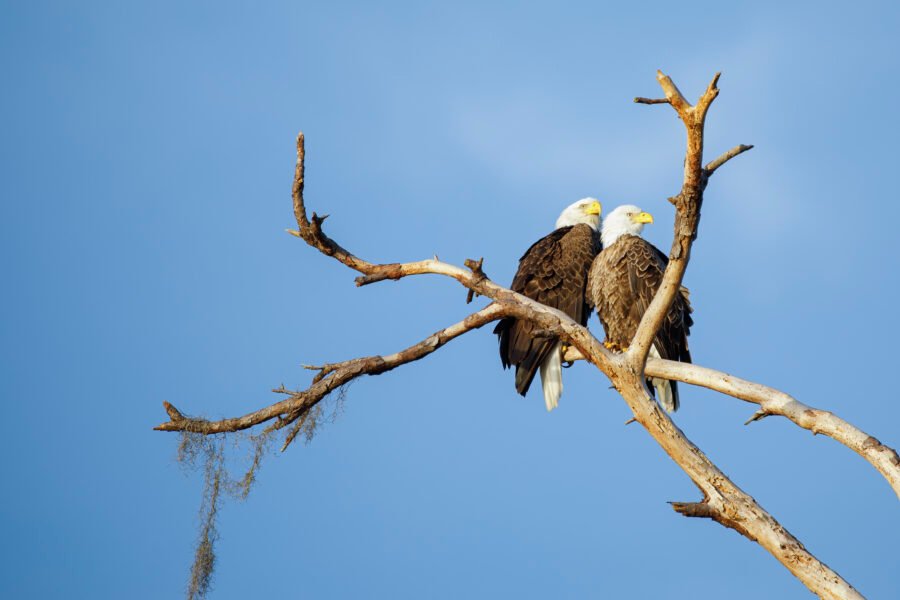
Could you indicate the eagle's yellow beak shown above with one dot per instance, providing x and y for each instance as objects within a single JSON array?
[
  {"x": 643, "y": 218},
  {"x": 594, "y": 208}
]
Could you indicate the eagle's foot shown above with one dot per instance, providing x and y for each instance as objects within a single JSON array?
[
  {"x": 563, "y": 348},
  {"x": 614, "y": 347}
]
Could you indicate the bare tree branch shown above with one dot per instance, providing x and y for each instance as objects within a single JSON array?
[
  {"x": 687, "y": 216},
  {"x": 722, "y": 500},
  {"x": 331, "y": 377},
  {"x": 725, "y": 502},
  {"x": 640, "y": 100},
  {"x": 473, "y": 279},
  {"x": 775, "y": 402},
  {"x": 299, "y": 181},
  {"x": 674, "y": 95},
  {"x": 712, "y": 166}
]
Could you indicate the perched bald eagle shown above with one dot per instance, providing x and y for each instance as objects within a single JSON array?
[
  {"x": 622, "y": 282},
  {"x": 554, "y": 272}
]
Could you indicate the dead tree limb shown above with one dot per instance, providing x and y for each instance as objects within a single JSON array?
[
  {"x": 722, "y": 500},
  {"x": 329, "y": 378},
  {"x": 775, "y": 402},
  {"x": 687, "y": 214}
]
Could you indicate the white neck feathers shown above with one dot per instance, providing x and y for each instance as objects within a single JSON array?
[
  {"x": 620, "y": 222},
  {"x": 612, "y": 232}
]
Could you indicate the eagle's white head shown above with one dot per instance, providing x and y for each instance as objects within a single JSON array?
[
  {"x": 624, "y": 220},
  {"x": 586, "y": 210}
]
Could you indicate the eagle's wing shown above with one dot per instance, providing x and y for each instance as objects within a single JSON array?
[
  {"x": 647, "y": 265},
  {"x": 552, "y": 271}
]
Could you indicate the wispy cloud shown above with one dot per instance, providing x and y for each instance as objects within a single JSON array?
[{"x": 531, "y": 130}]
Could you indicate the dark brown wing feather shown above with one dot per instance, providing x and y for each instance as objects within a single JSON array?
[
  {"x": 623, "y": 280},
  {"x": 554, "y": 272}
]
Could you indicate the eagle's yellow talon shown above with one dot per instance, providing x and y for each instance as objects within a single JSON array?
[{"x": 614, "y": 347}]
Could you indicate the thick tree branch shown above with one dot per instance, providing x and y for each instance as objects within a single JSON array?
[
  {"x": 687, "y": 216},
  {"x": 725, "y": 502},
  {"x": 775, "y": 402}
]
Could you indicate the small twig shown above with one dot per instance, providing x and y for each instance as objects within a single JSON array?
[
  {"x": 724, "y": 158},
  {"x": 758, "y": 416},
  {"x": 694, "y": 509},
  {"x": 475, "y": 267},
  {"x": 640, "y": 100},
  {"x": 297, "y": 188},
  {"x": 298, "y": 426},
  {"x": 673, "y": 94},
  {"x": 173, "y": 412}
]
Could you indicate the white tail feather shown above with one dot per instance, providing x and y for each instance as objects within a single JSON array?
[
  {"x": 551, "y": 377},
  {"x": 664, "y": 393},
  {"x": 663, "y": 387}
]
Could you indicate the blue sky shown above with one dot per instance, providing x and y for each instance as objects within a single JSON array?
[{"x": 147, "y": 157}]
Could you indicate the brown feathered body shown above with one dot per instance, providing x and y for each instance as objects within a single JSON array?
[
  {"x": 553, "y": 271},
  {"x": 622, "y": 282}
]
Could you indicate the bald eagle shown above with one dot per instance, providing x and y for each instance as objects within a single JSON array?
[
  {"x": 623, "y": 280},
  {"x": 554, "y": 272}
]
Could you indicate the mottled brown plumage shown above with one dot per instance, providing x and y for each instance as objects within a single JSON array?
[
  {"x": 554, "y": 272},
  {"x": 622, "y": 282}
]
